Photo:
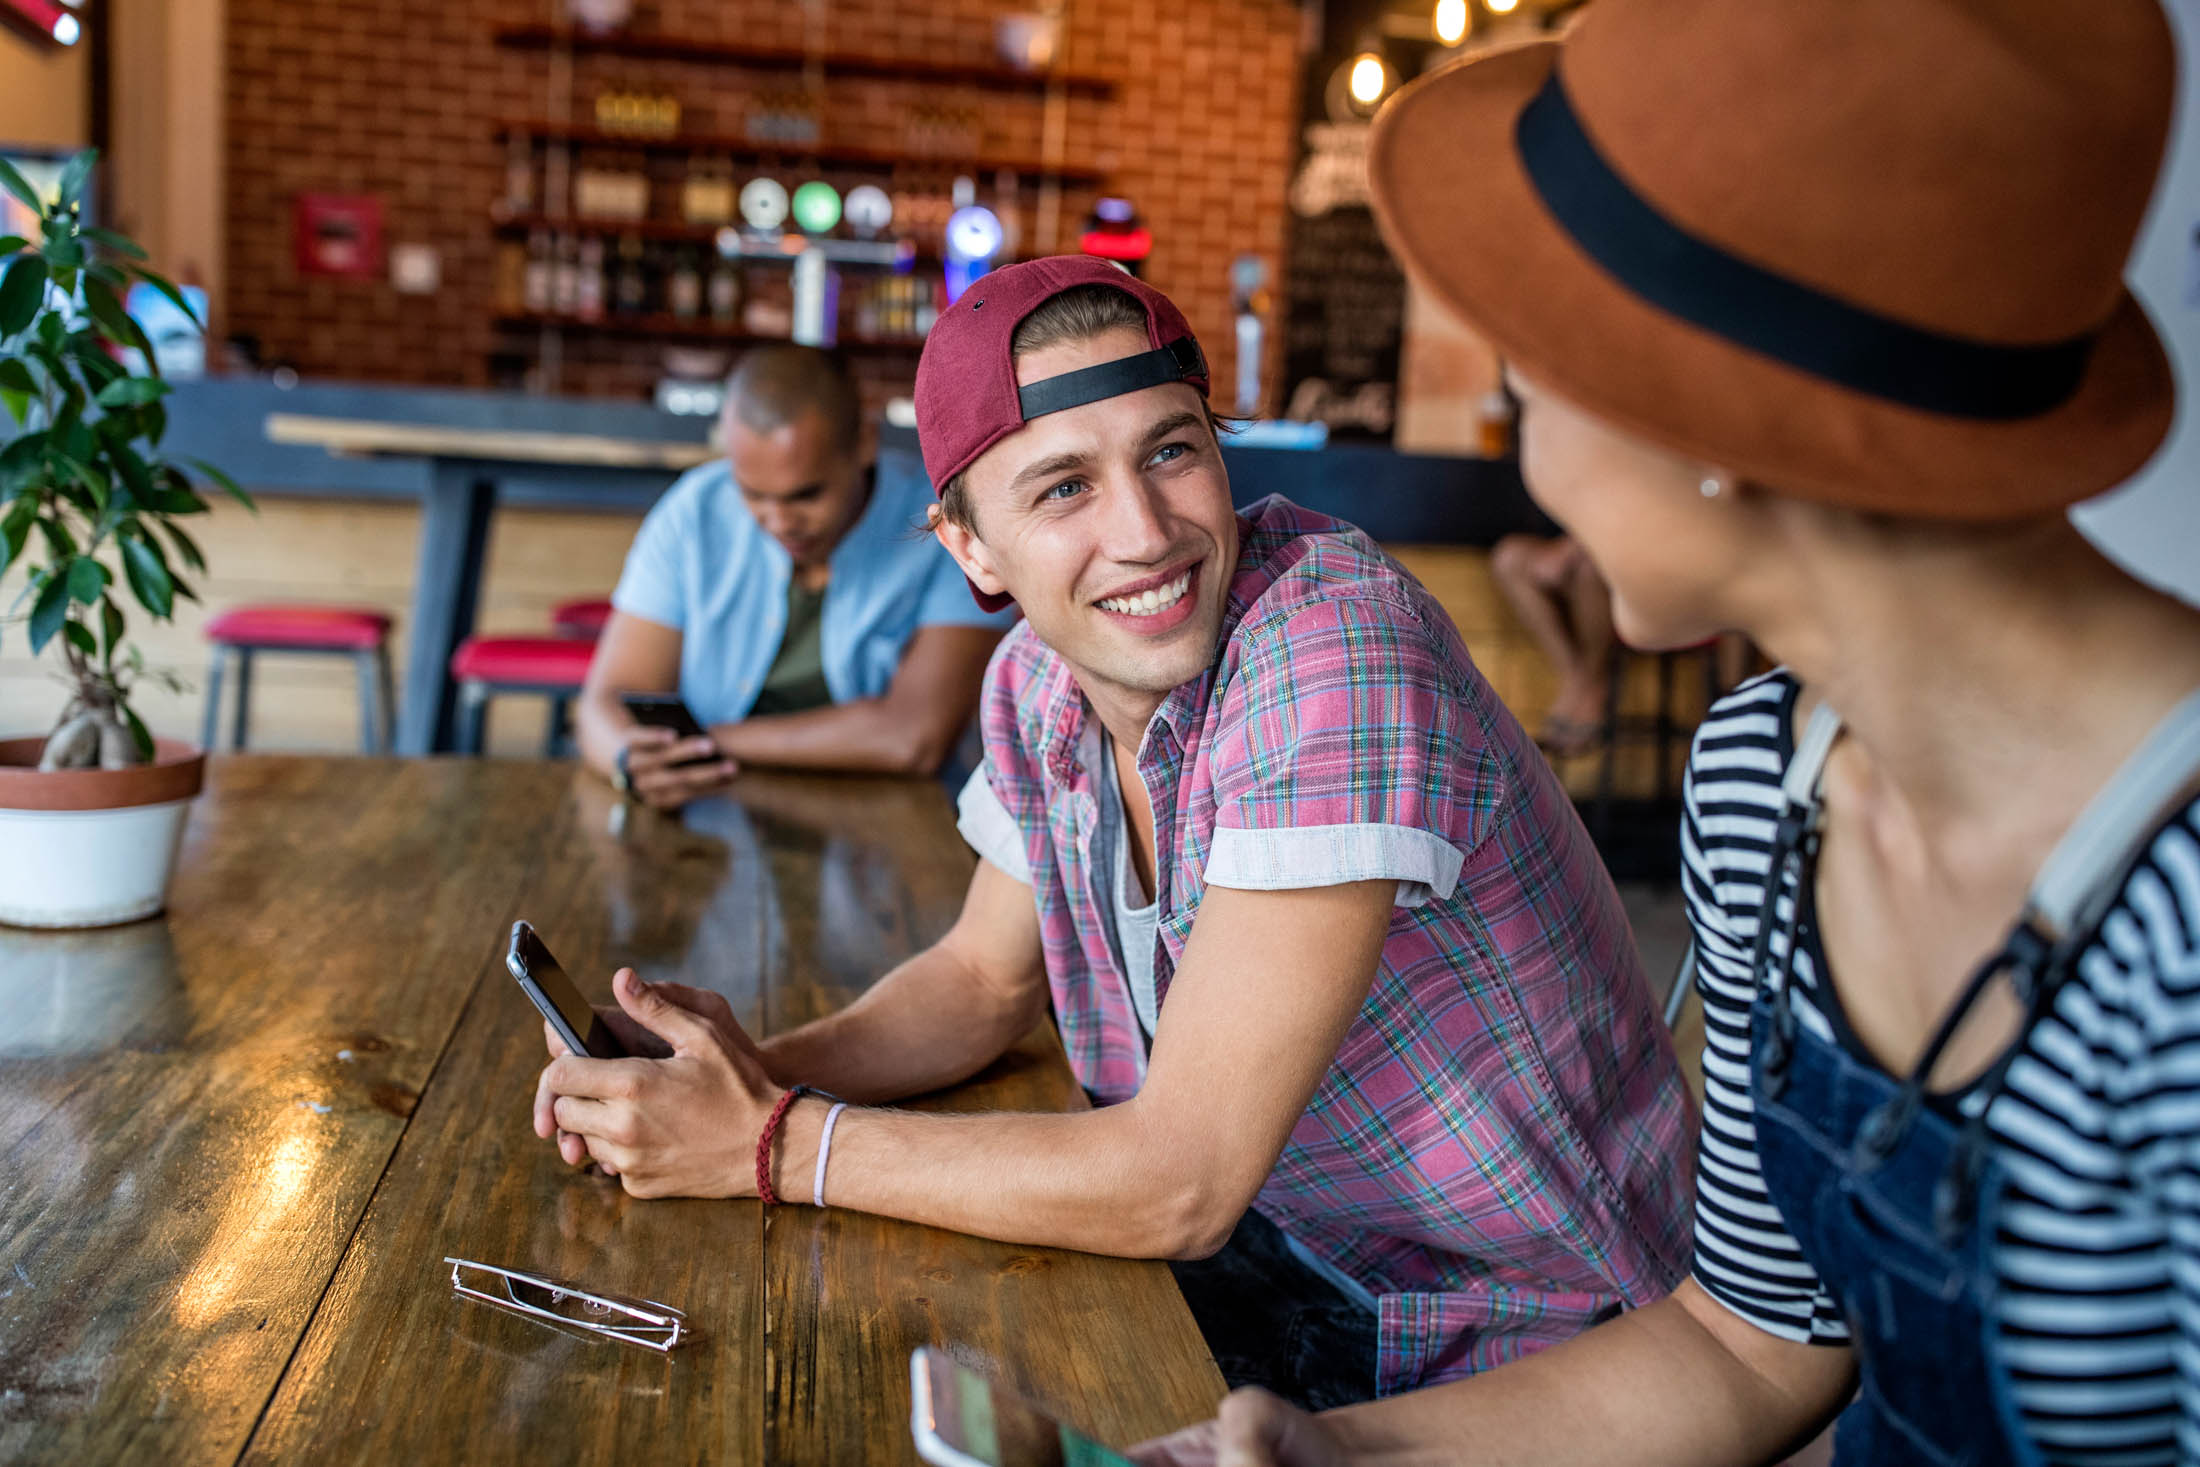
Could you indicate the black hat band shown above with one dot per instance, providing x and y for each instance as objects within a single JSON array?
[
  {"x": 1172, "y": 363},
  {"x": 1751, "y": 307}
]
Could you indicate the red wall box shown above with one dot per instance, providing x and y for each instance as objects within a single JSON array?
[{"x": 338, "y": 234}]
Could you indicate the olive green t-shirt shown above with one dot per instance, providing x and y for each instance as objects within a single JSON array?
[{"x": 796, "y": 682}]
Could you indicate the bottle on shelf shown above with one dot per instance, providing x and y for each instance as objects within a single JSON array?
[
  {"x": 588, "y": 294},
  {"x": 565, "y": 278},
  {"x": 684, "y": 288},
  {"x": 539, "y": 290},
  {"x": 519, "y": 176},
  {"x": 724, "y": 292},
  {"x": 630, "y": 286}
]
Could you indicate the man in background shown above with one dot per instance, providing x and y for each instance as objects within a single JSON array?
[{"x": 782, "y": 593}]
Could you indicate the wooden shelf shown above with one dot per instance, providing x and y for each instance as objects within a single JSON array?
[
  {"x": 681, "y": 233},
  {"x": 821, "y": 154},
  {"x": 990, "y": 75},
  {"x": 692, "y": 330}
]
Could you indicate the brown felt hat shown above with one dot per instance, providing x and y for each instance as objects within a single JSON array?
[{"x": 1869, "y": 253}]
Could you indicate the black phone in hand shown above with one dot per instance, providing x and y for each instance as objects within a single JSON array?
[{"x": 546, "y": 985}]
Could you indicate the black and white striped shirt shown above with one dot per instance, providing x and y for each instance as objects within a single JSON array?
[{"x": 2098, "y": 1250}]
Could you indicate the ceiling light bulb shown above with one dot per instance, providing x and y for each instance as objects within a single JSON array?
[
  {"x": 1368, "y": 78},
  {"x": 1504, "y": 7},
  {"x": 1451, "y": 21}
]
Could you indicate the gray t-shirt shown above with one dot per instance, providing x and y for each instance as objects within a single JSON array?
[{"x": 1137, "y": 927}]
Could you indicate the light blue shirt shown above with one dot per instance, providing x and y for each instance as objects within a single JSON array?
[{"x": 703, "y": 566}]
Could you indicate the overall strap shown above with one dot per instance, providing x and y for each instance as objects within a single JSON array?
[
  {"x": 1807, "y": 770},
  {"x": 2080, "y": 876}
]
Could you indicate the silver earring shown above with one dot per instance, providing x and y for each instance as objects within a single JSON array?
[{"x": 1710, "y": 488}]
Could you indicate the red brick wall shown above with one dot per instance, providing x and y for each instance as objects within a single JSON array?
[{"x": 399, "y": 98}]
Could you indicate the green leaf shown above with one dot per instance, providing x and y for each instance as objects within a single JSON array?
[
  {"x": 114, "y": 322},
  {"x": 50, "y": 611},
  {"x": 186, "y": 547},
  {"x": 15, "y": 377},
  {"x": 87, "y": 579},
  {"x": 225, "y": 482},
  {"x": 167, "y": 288},
  {"x": 21, "y": 291},
  {"x": 15, "y": 528},
  {"x": 148, "y": 575},
  {"x": 62, "y": 252},
  {"x": 135, "y": 476},
  {"x": 121, "y": 244},
  {"x": 80, "y": 637},
  {"x": 128, "y": 392},
  {"x": 10, "y": 243},
  {"x": 76, "y": 175},
  {"x": 110, "y": 626},
  {"x": 138, "y": 730},
  {"x": 22, "y": 462},
  {"x": 58, "y": 538},
  {"x": 18, "y": 185},
  {"x": 18, "y": 404}
]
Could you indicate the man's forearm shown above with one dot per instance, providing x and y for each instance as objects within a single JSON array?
[
  {"x": 1100, "y": 1181},
  {"x": 928, "y": 1024},
  {"x": 599, "y": 719},
  {"x": 868, "y": 736}
]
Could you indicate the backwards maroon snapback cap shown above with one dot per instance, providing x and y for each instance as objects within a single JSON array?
[{"x": 967, "y": 397}]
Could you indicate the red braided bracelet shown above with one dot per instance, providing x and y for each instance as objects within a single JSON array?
[{"x": 764, "y": 1192}]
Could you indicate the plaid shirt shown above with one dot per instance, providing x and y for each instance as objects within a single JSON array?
[{"x": 1499, "y": 1152}]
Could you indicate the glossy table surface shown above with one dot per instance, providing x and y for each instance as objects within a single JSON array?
[{"x": 237, "y": 1141}]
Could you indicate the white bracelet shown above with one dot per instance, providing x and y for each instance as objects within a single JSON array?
[{"x": 824, "y": 1151}]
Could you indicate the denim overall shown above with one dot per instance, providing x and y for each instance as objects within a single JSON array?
[{"x": 1892, "y": 1197}]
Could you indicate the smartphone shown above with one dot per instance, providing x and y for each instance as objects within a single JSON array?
[
  {"x": 545, "y": 983},
  {"x": 663, "y": 710},
  {"x": 961, "y": 1419}
]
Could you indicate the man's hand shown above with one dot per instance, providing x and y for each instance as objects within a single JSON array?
[
  {"x": 1253, "y": 1429},
  {"x": 681, "y": 1126},
  {"x": 658, "y": 771}
]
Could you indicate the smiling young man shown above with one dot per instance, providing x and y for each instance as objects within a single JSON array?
[{"x": 1320, "y": 931}]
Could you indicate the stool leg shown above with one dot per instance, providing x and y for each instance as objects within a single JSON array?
[
  {"x": 240, "y": 725},
  {"x": 561, "y": 721},
  {"x": 210, "y": 724},
  {"x": 370, "y": 718},
  {"x": 389, "y": 695},
  {"x": 1666, "y": 724},
  {"x": 1607, "y": 767},
  {"x": 473, "y": 706}
]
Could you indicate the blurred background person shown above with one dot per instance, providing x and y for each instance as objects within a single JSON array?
[{"x": 781, "y": 593}]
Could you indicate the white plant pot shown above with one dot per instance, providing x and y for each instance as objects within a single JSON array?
[{"x": 90, "y": 847}]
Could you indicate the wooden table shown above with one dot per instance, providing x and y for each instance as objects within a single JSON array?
[{"x": 237, "y": 1142}]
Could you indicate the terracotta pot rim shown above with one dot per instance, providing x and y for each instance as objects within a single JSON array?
[{"x": 177, "y": 772}]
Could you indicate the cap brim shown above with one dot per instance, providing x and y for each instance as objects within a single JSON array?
[{"x": 1458, "y": 208}]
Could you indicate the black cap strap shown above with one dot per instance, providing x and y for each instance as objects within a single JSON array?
[
  {"x": 1172, "y": 363},
  {"x": 1754, "y": 308}
]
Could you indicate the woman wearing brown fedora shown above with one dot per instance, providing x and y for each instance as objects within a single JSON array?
[{"x": 1818, "y": 315}]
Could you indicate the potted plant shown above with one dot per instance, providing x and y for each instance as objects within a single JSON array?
[{"x": 92, "y": 813}]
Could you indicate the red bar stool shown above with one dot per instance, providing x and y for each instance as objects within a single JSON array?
[
  {"x": 490, "y": 667},
  {"x": 581, "y": 618},
  {"x": 360, "y": 633}
]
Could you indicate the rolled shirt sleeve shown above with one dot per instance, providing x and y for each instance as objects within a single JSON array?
[
  {"x": 1340, "y": 755},
  {"x": 991, "y": 831},
  {"x": 653, "y": 583}
]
